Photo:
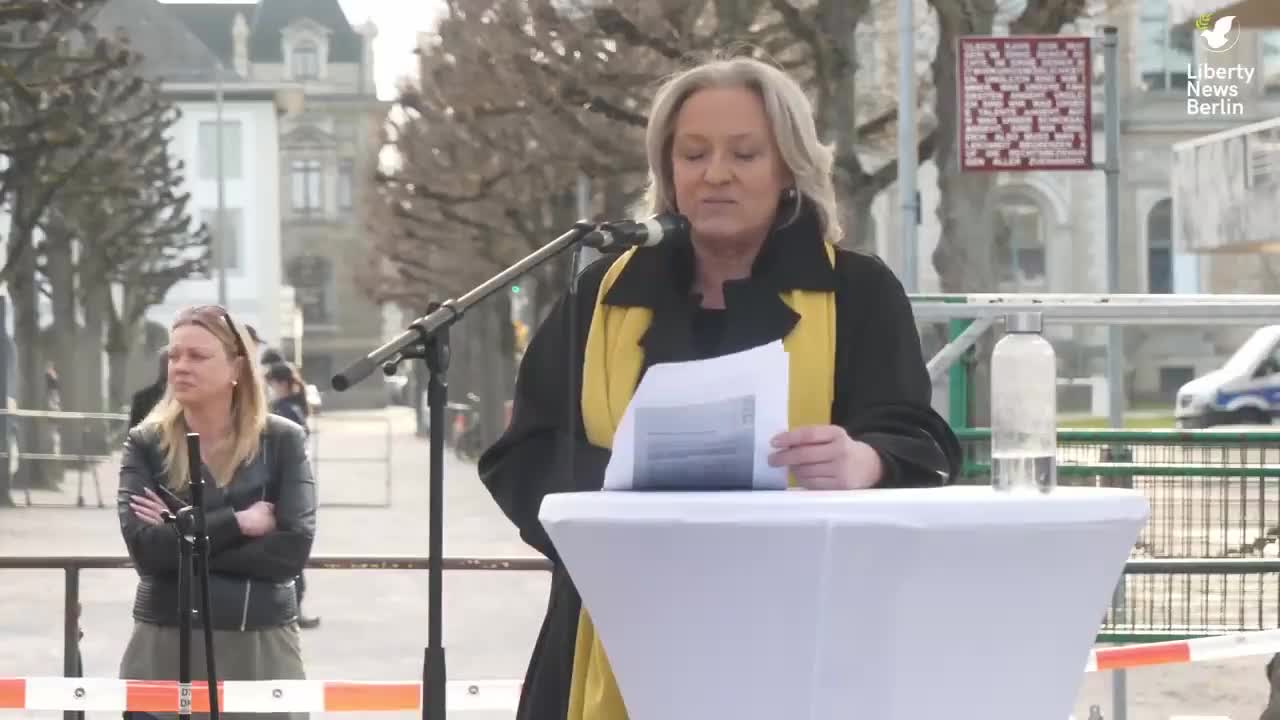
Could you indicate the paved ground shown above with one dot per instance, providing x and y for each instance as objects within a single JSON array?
[{"x": 374, "y": 622}]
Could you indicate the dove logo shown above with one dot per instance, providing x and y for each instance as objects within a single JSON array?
[{"x": 1220, "y": 35}]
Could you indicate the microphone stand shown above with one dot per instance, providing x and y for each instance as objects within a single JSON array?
[
  {"x": 193, "y": 559},
  {"x": 427, "y": 339}
]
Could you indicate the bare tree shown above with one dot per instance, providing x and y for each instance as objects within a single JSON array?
[
  {"x": 58, "y": 84},
  {"x": 138, "y": 238},
  {"x": 578, "y": 78},
  {"x": 517, "y": 99},
  {"x": 122, "y": 210}
]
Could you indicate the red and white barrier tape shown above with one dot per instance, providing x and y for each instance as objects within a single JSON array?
[
  {"x": 275, "y": 696},
  {"x": 1218, "y": 647},
  {"x": 266, "y": 696}
]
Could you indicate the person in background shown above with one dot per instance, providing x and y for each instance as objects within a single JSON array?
[
  {"x": 288, "y": 399},
  {"x": 145, "y": 399},
  {"x": 270, "y": 356},
  {"x": 52, "y": 388},
  {"x": 260, "y": 506}
]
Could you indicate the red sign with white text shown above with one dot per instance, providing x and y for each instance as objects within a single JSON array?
[{"x": 1025, "y": 103}]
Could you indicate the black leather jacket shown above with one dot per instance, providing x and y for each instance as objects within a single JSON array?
[{"x": 250, "y": 579}]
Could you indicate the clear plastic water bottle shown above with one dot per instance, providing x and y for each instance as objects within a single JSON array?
[{"x": 1024, "y": 408}]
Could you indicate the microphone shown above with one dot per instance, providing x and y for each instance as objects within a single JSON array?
[{"x": 646, "y": 233}]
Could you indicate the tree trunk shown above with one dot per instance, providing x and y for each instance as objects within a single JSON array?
[
  {"x": 8, "y": 426},
  {"x": 92, "y": 366},
  {"x": 963, "y": 257},
  {"x": 858, "y": 228},
  {"x": 34, "y": 435},
  {"x": 498, "y": 361},
  {"x": 123, "y": 333},
  {"x": 553, "y": 277},
  {"x": 615, "y": 197},
  {"x": 60, "y": 271}
]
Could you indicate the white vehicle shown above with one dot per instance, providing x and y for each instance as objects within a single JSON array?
[{"x": 1244, "y": 391}]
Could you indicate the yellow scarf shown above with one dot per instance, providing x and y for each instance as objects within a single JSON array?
[{"x": 611, "y": 369}]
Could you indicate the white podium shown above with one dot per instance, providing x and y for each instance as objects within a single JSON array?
[{"x": 931, "y": 604}]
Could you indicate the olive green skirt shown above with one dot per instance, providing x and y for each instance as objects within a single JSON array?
[{"x": 268, "y": 654}]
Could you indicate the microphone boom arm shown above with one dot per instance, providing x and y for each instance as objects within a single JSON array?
[
  {"x": 427, "y": 339},
  {"x": 450, "y": 311}
]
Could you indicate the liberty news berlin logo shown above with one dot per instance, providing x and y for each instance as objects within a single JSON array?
[{"x": 1215, "y": 90}]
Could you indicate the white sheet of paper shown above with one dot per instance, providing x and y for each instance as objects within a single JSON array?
[{"x": 704, "y": 424}]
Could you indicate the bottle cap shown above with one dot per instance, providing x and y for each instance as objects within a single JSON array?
[{"x": 1024, "y": 322}]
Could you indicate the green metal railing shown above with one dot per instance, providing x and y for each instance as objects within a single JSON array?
[{"x": 1214, "y": 495}]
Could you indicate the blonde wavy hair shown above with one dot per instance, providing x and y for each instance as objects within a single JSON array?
[
  {"x": 248, "y": 402},
  {"x": 790, "y": 117}
]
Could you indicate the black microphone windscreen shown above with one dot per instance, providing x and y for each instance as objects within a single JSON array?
[{"x": 674, "y": 226}]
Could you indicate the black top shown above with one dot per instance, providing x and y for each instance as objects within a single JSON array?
[
  {"x": 882, "y": 392},
  {"x": 292, "y": 407},
  {"x": 250, "y": 579},
  {"x": 708, "y": 330},
  {"x": 144, "y": 401}
]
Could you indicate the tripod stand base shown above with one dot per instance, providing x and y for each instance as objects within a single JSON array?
[{"x": 433, "y": 684}]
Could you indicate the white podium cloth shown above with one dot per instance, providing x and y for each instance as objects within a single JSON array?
[{"x": 953, "y": 603}]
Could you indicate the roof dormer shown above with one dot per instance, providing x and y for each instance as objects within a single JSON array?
[{"x": 305, "y": 46}]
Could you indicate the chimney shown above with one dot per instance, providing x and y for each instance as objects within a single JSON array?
[
  {"x": 368, "y": 31},
  {"x": 240, "y": 45}
]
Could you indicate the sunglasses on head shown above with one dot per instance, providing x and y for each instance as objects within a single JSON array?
[{"x": 222, "y": 315}]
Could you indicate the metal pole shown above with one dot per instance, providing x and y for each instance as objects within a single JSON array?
[
  {"x": 72, "y": 666},
  {"x": 5, "y": 480},
  {"x": 907, "y": 160},
  {"x": 220, "y": 238},
  {"x": 582, "y": 193},
  {"x": 1111, "y": 122},
  {"x": 1115, "y": 332}
]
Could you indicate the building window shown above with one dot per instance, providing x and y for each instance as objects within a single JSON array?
[
  {"x": 312, "y": 279},
  {"x": 1160, "y": 248},
  {"x": 1163, "y": 53},
  {"x": 306, "y": 61},
  {"x": 208, "y": 141},
  {"x": 346, "y": 178},
  {"x": 229, "y": 234},
  {"x": 307, "y": 187},
  {"x": 1019, "y": 242}
]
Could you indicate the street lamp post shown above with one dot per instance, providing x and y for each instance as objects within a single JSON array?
[{"x": 219, "y": 237}]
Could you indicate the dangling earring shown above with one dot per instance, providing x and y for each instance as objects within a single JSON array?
[{"x": 789, "y": 195}]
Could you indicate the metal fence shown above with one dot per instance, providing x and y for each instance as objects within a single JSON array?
[
  {"x": 1214, "y": 495},
  {"x": 62, "y": 446},
  {"x": 1192, "y": 572},
  {"x": 78, "y": 456}
]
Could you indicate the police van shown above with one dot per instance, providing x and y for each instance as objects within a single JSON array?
[{"x": 1244, "y": 391}]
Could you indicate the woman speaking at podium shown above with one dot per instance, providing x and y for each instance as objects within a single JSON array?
[{"x": 733, "y": 147}]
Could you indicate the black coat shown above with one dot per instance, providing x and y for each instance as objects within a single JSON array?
[
  {"x": 143, "y": 401},
  {"x": 882, "y": 393},
  {"x": 250, "y": 579},
  {"x": 292, "y": 407}
]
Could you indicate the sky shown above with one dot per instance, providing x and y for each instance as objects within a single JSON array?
[{"x": 398, "y": 23}]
